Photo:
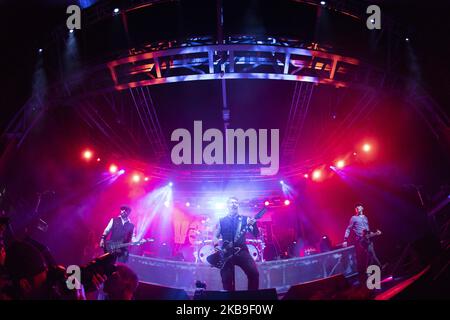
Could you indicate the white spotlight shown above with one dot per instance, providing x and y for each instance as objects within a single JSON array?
[
  {"x": 167, "y": 203},
  {"x": 71, "y": 30},
  {"x": 170, "y": 184},
  {"x": 40, "y": 50},
  {"x": 323, "y": 3},
  {"x": 219, "y": 205},
  {"x": 116, "y": 10}
]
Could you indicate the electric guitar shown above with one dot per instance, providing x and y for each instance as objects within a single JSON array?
[
  {"x": 117, "y": 246},
  {"x": 367, "y": 236},
  {"x": 220, "y": 257}
]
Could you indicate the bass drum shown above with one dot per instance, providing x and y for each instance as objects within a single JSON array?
[
  {"x": 253, "y": 252},
  {"x": 204, "y": 252}
]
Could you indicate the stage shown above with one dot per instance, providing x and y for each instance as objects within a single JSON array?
[
  {"x": 157, "y": 132},
  {"x": 278, "y": 274}
]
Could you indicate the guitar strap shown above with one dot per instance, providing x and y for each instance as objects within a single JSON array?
[{"x": 238, "y": 229}]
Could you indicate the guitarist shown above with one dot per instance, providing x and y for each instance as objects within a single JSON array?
[
  {"x": 365, "y": 252},
  {"x": 228, "y": 227},
  {"x": 120, "y": 230}
]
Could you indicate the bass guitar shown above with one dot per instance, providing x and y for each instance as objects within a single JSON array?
[{"x": 116, "y": 247}]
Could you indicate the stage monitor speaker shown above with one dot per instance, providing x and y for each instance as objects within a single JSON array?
[
  {"x": 263, "y": 294},
  {"x": 148, "y": 291},
  {"x": 323, "y": 289}
]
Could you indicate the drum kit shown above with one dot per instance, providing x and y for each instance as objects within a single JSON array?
[{"x": 201, "y": 239}]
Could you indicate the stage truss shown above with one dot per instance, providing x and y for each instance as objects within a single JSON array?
[{"x": 210, "y": 58}]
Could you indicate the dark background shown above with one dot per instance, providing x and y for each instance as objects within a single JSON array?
[
  {"x": 25, "y": 24},
  {"x": 410, "y": 154}
]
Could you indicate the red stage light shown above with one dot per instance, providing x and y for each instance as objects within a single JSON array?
[
  {"x": 287, "y": 202},
  {"x": 340, "y": 164},
  {"x": 366, "y": 147},
  {"x": 87, "y": 154},
  {"x": 146, "y": 179},
  {"x": 266, "y": 203},
  {"x": 136, "y": 178},
  {"x": 306, "y": 176},
  {"x": 317, "y": 174},
  {"x": 98, "y": 159},
  {"x": 113, "y": 168}
]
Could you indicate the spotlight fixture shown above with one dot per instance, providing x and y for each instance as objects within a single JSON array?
[
  {"x": 281, "y": 182},
  {"x": 407, "y": 39},
  {"x": 71, "y": 30},
  {"x": 317, "y": 174},
  {"x": 366, "y": 147},
  {"x": 116, "y": 10},
  {"x": 306, "y": 176},
  {"x": 167, "y": 203},
  {"x": 323, "y": 3},
  {"x": 340, "y": 164},
  {"x": 266, "y": 203},
  {"x": 188, "y": 204},
  {"x": 87, "y": 154},
  {"x": 287, "y": 202},
  {"x": 136, "y": 178},
  {"x": 121, "y": 172},
  {"x": 146, "y": 179},
  {"x": 170, "y": 184},
  {"x": 40, "y": 50},
  {"x": 113, "y": 168}
]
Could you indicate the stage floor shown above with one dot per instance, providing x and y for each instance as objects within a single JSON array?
[{"x": 278, "y": 274}]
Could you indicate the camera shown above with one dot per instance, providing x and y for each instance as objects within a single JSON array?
[
  {"x": 57, "y": 276},
  {"x": 103, "y": 265}
]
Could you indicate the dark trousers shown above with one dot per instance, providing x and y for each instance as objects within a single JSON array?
[
  {"x": 122, "y": 256},
  {"x": 244, "y": 260},
  {"x": 365, "y": 256}
]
